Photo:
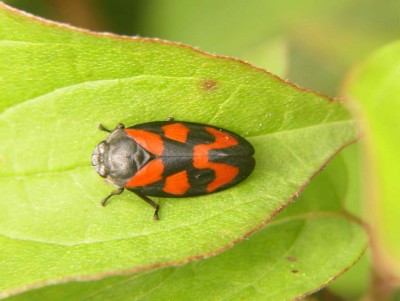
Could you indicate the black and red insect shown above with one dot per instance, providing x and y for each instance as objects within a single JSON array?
[{"x": 172, "y": 159}]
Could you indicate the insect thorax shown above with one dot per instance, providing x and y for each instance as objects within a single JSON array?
[{"x": 118, "y": 158}]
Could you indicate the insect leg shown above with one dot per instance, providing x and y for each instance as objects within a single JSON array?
[
  {"x": 115, "y": 192},
  {"x": 150, "y": 202},
  {"x": 103, "y": 128}
]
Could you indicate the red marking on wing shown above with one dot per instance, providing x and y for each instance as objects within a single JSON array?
[
  {"x": 224, "y": 173},
  {"x": 148, "y": 140},
  {"x": 176, "y": 131},
  {"x": 150, "y": 173},
  {"x": 222, "y": 140},
  {"x": 177, "y": 183}
]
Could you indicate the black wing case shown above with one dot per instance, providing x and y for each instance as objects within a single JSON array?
[{"x": 182, "y": 162}]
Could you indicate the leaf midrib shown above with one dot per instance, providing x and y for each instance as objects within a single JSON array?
[{"x": 250, "y": 138}]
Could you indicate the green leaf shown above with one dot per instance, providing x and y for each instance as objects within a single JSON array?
[
  {"x": 58, "y": 83},
  {"x": 376, "y": 89},
  {"x": 349, "y": 189},
  {"x": 251, "y": 271},
  {"x": 290, "y": 258}
]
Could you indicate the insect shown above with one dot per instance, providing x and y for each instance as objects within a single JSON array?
[{"x": 172, "y": 159}]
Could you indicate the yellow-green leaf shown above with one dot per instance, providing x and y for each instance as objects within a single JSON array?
[{"x": 58, "y": 83}]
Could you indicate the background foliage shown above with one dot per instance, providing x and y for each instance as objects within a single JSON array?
[{"x": 312, "y": 43}]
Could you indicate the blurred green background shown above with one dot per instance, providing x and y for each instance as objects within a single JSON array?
[
  {"x": 314, "y": 44},
  {"x": 311, "y": 43}
]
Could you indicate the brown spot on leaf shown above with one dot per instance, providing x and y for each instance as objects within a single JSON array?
[
  {"x": 209, "y": 84},
  {"x": 291, "y": 258},
  {"x": 295, "y": 271}
]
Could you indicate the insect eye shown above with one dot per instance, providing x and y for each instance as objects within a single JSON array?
[
  {"x": 102, "y": 171},
  {"x": 102, "y": 147}
]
